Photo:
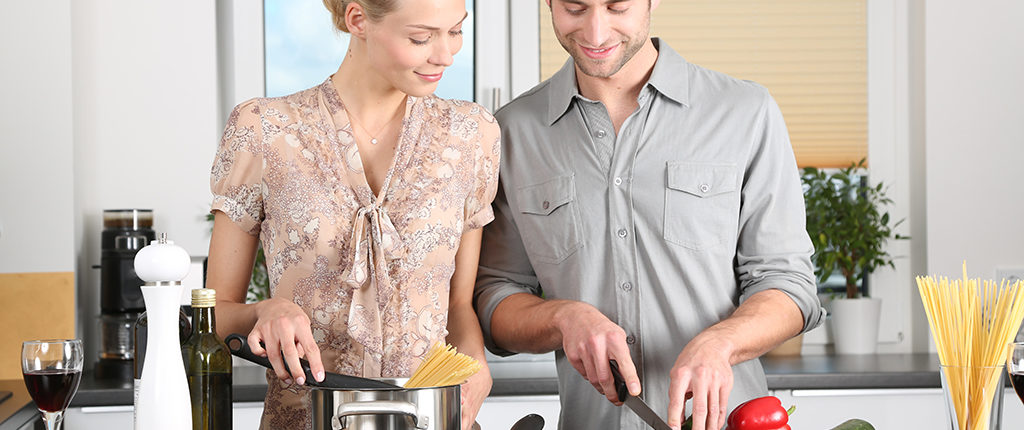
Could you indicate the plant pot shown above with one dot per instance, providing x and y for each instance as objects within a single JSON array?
[
  {"x": 789, "y": 348},
  {"x": 855, "y": 325}
]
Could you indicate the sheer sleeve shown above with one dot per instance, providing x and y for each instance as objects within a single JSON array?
[
  {"x": 478, "y": 204},
  {"x": 236, "y": 176}
]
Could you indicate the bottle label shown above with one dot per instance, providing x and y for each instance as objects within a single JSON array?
[{"x": 135, "y": 402}]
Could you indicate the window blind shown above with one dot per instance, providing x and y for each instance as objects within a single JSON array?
[{"x": 810, "y": 54}]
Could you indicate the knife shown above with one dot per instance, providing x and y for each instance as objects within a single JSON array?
[{"x": 635, "y": 403}]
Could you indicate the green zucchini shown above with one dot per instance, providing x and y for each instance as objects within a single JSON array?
[{"x": 854, "y": 424}]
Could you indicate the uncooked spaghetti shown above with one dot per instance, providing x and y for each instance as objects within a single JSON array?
[
  {"x": 443, "y": 366},
  {"x": 972, "y": 322}
]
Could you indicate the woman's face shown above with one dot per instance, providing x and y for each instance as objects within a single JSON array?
[{"x": 411, "y": 46}]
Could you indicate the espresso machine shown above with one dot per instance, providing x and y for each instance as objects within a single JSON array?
[{"x": 125, "y": 232}]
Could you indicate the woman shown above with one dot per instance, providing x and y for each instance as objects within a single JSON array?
[{"x": 368, "y": 195}]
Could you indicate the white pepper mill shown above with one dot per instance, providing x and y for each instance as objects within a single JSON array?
[{"x": 163, "y": 400}]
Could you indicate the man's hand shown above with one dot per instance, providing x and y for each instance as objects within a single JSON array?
[
  {"x": 589, "y": 340},
  {"x": 703, "y": 373}
]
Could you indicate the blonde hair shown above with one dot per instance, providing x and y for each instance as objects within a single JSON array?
[{"x": 375, "y": 10}]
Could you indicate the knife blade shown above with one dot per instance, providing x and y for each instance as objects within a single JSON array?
[{"x": 636, "y": 404}]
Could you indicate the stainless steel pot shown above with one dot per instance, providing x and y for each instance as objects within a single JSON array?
[
  {"x": 435, "y": 408},
  {"x": 351, "y": 402}
]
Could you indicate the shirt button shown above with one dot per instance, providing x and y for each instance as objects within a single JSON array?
[
  {"x": 622, "y": 232},
  {"x": 618, "y": 181},
  {"x": 546, "y": 204},
  {"x": 601, "y": 134},
  {"x": 626, "y": 286},
  {"x": 705, "y": 188},
  {"x": 630, "y": 339}
]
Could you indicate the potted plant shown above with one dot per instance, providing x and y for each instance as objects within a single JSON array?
[{"x": 848, "y": 224}]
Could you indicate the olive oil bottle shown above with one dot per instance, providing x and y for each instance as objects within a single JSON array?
[{"x": 207, "y": 366}]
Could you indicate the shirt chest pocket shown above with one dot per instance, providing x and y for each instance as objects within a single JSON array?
[
  {"x": 701, "y": 204},
  {"x": 549, "y": 219}
]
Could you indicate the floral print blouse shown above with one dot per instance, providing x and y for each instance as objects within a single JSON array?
[{"x": 372, "y": 272}]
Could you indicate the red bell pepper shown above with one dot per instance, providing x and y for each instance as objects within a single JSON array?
[{"x": 763, "y": 413}]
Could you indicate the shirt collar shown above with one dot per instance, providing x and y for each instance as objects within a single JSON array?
[
  {"x": 671, "y": 74},
  {"x": 563, "y": 91},
  {"x": 670, "y": 77}
]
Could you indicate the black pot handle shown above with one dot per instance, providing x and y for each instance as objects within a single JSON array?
[{"x": 239, "y": 347}]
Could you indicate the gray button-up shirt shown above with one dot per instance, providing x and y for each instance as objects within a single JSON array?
[{"x": 665, "y": 227}]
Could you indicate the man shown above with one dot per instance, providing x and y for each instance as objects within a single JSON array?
[{"x": 650, "y": 212}]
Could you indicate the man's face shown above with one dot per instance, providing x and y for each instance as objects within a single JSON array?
[{"x": 601, "y": 35}]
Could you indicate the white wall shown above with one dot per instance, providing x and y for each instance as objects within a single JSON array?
[
  {"x": 146, "y": 123},
  {"x": 974, "y": 131},
  {"x": 36, "y": 171}
]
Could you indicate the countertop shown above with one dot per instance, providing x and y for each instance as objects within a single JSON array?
[
  {"x": 538, "y": 378},
  {"x": 782, "y": 373},
  {"x": 18, "y": 409}
]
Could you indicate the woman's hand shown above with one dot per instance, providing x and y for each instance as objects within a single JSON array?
[
  {"x": 284, "y": 330},
  {"x": 474, "y": 391}
]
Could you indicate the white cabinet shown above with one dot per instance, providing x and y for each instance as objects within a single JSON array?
[
  {"x": 497, "y": 413},
  {"x": 500, "y": 412},
  {"x": 99, "y": 417},
  {"x": 245, "y": 416},
  {"x": 914, "y": 408}
]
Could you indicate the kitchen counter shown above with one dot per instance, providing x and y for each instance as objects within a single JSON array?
[
  {"x": 852, "y": 371},
  {"x": 538, "y": 378},
  {"x": 18, "y": 409},
  {"x": 782, "y": 373}
]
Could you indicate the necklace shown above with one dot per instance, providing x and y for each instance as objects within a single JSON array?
[{"x": 354, "y": 120}]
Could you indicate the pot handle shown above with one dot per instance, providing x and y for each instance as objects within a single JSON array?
[{"x": 377, "y": 407}]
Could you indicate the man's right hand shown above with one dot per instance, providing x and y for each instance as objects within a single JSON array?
[
  {"x": 284, "y": 329},
  {"x": 589, "y": 340}
]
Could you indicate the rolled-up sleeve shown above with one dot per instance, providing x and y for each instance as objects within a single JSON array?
[
  {"x": 774, "y": 250},
  {"x": 504, "y": 269}
]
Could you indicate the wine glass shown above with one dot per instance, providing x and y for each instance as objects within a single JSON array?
[
  {"x": 52, "y": 371},
  {"x": 1015, "y": 367}
]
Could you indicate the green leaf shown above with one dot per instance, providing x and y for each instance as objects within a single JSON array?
[{"x": 847, "y": 220}]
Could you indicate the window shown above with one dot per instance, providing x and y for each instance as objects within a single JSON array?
[
  {"x": 811, "y": 55},
  {"x": 302, "y": 49}
]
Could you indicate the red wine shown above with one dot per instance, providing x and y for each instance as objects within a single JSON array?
[
  {"x": 52, "y": 389},
  {"x": 1017, "y": 380}
]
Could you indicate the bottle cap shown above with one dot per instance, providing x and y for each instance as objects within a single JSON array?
[{"x": 204, "y": 298}]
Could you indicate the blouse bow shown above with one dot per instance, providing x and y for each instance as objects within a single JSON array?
[{"x": 375, "y": 242}]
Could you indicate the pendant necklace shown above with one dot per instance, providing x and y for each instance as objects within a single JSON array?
[{"x": 354, "y": 120}]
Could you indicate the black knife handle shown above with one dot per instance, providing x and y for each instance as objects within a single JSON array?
[{"x": 620, "y": 384}]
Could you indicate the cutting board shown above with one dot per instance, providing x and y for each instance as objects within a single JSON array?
[{"x": 33, "y": 306}]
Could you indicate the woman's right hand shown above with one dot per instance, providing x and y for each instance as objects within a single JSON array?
[{"x": 284, "y": 330}]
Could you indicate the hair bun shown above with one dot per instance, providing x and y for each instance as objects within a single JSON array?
[{"x": 337, "y": 10}]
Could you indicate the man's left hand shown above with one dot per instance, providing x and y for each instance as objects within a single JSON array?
[{"x": 703, "y": 373}]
